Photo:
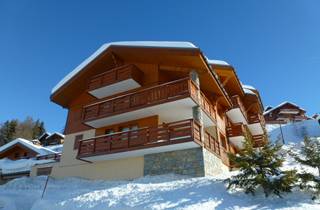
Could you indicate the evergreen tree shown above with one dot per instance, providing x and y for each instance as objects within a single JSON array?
[
  {"x": 38, "y": 129},
  {"x": 7, "y": 131},
  {"x": 260, "y": 168},
  {"x": 309, "y": 156}
]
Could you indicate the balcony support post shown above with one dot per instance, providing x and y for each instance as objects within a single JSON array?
[{"x": 196, "y": 110}]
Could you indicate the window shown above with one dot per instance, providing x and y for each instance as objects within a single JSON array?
[
  {"x": 76, "y": 141},
  {"x": 223, "y": 141},
  {"x": 16, "y": 155},
  {"x": 25, "y": 154}
]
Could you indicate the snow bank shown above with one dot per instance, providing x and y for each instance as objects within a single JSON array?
[
  {"x": 157, "y": 192},
  {"x": 8, "y": 166},
  {"x": 295, "y": 132}
]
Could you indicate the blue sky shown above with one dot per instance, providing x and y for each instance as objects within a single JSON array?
[{"x": 274, "y": 45}]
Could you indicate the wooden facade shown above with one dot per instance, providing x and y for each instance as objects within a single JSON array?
[
  {"x": 284, "y": 113},
  {"x": 162, "y": 78},
  {"x": 18, "y": 151}
]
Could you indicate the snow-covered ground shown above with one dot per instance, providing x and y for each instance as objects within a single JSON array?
[
  {"x": 294, "y": 132},
  {"x": 158, "y": 192},
  {"x": 152, "y": 192}
]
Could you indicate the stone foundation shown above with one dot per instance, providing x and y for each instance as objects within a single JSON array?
[
  {"x": 185, "y": 162},
  {"x": 195, "y": 162}
]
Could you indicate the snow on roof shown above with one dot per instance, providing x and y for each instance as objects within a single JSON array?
[
  {"x": 45, "y": 133},
  {"x": 159, "y": 44},
  {"x": 248, "y": 87},
  {"x": 217, "y": 62},
  {"x": 248, "y": 91},
  {"x": 57, "y": 148},
  {"x": 37, "y": 148},
  {"x": 56, "y": 133},
  {"x": 283, "y": 103}
]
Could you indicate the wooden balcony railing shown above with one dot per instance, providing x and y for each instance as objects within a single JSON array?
[
  {"x": 112, "y": 76},
  {"x": 238, "y": 129},
  {"x": 155, "y": 95},
  {"x": 259, "y": 140},
  {"x": 256, "y": 118},
  {"x": 55, "y": 157},
  {"x": 207, "y": 106},
  {"x": 237, "y": 103},
  {"x": 165, "y": 134},
  {"x": 211, "y": 143}
]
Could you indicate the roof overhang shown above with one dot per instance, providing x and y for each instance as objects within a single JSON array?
[{"x": 181, "y": 54}]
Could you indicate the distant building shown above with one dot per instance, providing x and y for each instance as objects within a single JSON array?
[
  {"x": 48, "y": 139},
  {"x": 18, "y": 156},
  {"x": 284, "y": 113}
]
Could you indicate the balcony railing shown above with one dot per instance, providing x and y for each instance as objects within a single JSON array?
[
  {"x": 155, "y": 95},
  {"x": 211, "y": 143},
  {"x": 115, "y": 75},
  {"x": 237, "y": 103},
  {"x": 256, "y": 118},
  {"x": 55, "y": 157},
  {"x": 165, "y": 134},
  {"x": 237, "y": 129},
  {"x": 259, "y": 140},
  {"x": 207, "y": 106}
]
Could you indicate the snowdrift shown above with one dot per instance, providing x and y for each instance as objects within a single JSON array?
[{"x": 295, "y": 132}]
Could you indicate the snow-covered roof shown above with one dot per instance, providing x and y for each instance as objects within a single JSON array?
[
  {"x": 45, "y": 133},
  {"x": 37, "y": 148},
  {"x": 283, "y": 103},
  {"x": 159, "y": 44},
  {"x": 56, "y": 133},
  {"x": 217, "y": 62},
  {"x": 248, "y": 87},
  {"x": 57, "y": 148},
  {"x": 248, "y": 91}
]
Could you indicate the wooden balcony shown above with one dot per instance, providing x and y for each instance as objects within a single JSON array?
[
  {"x": 212, "y": 144},
  {"x": 256, "y": 124},
  {"x": 120, "y": 79},
  {"x": 166, "y": 137},
  {"x": 56, "y": 157},
  {"x": 237, "y": 133},
  {"x": 237, "y": 114},
  {"x": 172, "y": 101},
  {"x": 259, "y": 140}
]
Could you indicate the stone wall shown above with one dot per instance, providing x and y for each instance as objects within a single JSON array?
[
  {"x": 212, "y": 164},
  {"x": 186, "y": 162}
]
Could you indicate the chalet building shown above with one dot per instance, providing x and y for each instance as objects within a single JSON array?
[
  {"x": 17, "y": 156},
  {"x": 48, "y": 139},
  {"x": 284, "y": 113},
  {"x": 148, "y": 108}
]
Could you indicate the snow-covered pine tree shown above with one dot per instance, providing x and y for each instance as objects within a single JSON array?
[
  {"x": 260, "y": 168},
  {"x": 309, "y": 156}
]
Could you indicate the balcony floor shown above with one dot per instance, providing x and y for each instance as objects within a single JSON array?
[
  {"x": 142, "y": 152},
  {"x": 236, "y": 116},
  {"x": 256, "y": 129},
  {"x": 115, "y": 88},
  {"x": 237, "y": 141}
]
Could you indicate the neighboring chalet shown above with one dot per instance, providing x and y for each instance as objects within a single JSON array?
[
  {"x": 148, "y": 108},
  {"x": 284, "y": 113},
  {"x": 47, "y": 139},
  {"x": 18, "y": 156}
]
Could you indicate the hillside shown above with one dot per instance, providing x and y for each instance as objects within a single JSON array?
[
  {"x": 156, "y": 192},
  {"x": 294, "y": 132}
]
